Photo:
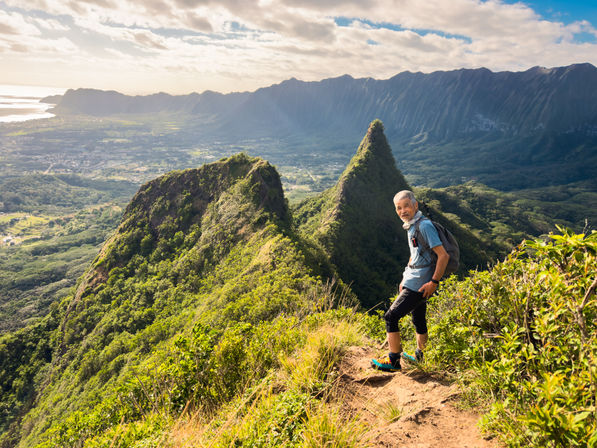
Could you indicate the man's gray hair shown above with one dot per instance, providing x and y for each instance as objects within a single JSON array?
[{"x": 405, "y": 194}]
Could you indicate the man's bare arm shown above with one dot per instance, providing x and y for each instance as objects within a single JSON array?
[{"x": 442, "y": 261}]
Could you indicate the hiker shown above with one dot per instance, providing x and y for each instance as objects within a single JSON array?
[{"x": 420, "y": 280}]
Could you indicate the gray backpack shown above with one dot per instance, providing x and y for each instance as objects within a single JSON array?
[{"x": 448, "y": 241}]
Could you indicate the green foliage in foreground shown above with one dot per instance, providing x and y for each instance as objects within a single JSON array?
[
  {"x": 524, "y": 338},
  {"x": 262, "y": 385},
  {"x": 292, "y": 406}
]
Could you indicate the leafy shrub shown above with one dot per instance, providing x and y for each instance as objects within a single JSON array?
[
  {"x": 525, "y": 335},
  {"x": 291, "y": 405},
  {"x": 275, "y": 420}
]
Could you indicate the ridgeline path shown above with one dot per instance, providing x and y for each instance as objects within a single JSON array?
[{"x": 410, "y": 409}]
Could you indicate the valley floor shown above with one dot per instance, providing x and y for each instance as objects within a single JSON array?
[{"x": 410, "y": 409}]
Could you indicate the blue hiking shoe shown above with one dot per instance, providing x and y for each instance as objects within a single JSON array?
[
  {"x": 416, "y": 359},
  {"x": 385, "y": 364}
]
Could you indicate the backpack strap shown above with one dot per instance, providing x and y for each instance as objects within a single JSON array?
[{"x": 424, "y": 245}]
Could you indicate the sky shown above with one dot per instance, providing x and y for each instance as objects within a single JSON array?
[{"x": 184, "y": 46}]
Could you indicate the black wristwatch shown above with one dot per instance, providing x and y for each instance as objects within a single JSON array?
[{"x": 435, "y": 281}]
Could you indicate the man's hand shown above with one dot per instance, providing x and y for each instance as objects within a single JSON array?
[{"x": 428, "y": 289}]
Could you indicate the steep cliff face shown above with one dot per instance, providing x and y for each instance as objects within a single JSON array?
[
  {"x": 356, "y": 223},
  {"x": 508, "y": 130},
  {"x": 443, "y": 104}
]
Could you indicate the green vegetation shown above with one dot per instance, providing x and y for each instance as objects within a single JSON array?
[
  {"x": 216, "y": 314},
  {"x": 51, "y": 229},
  {"x": 523, "y": 337},
  {"x": 295, "y": 405},
  {"x": 182, "y": 303},
  {"x": 40, "y": 271},
  {"x": 502, "y": 161},
  {"x": 508, "y": 218},
  {"x": 58, "y": 194}
]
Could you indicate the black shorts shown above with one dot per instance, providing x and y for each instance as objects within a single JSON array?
[{"x": 408, "y": 301}]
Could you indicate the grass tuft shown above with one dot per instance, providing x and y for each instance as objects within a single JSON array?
[{"x": 326, "y": 427}]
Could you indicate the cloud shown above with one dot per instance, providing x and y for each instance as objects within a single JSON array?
[
  {"x": 13, "y": 23},
  {"x": 39, "y": 47},
  {"x": 8, "y": 29},
  {"x": 51, "y": 24},
  {"x": 199, "y": 23},
  {"x": 259, "y": 42},
  {"x": 299, "y": 27},
  {"x": 147, "y": 40}
]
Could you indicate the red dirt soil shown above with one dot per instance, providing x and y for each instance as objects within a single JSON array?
[{"x": 411, "y": 408}]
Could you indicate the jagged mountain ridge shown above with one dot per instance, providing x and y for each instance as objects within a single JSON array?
[
  {"x": 508, "y": 130},
  {"x": 441, "y": 104},
  {"x": 100, "y": 102}
]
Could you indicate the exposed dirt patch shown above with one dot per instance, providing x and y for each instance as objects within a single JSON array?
[{"x": 410, "y": 408}]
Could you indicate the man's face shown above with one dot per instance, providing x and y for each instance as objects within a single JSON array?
[{"x": 406, "y": 210}]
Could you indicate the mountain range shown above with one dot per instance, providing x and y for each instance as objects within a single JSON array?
[{"x": 509, "y": 130}]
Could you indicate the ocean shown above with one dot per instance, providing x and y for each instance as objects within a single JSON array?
[{"x": 22, "y": 103}]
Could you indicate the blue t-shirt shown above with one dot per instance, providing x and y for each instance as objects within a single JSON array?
[{"x": 422, "y": 264}]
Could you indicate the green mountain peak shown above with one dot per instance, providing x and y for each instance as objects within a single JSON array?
[
  {"x": 355, "y": 220},
  {"x": 372, "y": 165},
  {"x": 189, "y": 220}
]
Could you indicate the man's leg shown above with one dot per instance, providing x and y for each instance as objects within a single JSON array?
[
  {"x": 419, "y": 318},
  {"x": 406, "y": 301},
  {"x": 394, "y": 342},
  {"x": 421, "y": 341}
]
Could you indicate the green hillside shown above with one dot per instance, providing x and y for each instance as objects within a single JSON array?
[
  {"x": 216, "y": 316},
  {"x": 356, "y": 223},
  {"x": 51, "y": 228},
  {"x": 202, "y": 256},
  {"x": 506, "y": 219},
  {"x": 59, "y": 194}
]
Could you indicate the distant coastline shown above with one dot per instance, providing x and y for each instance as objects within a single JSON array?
[{"x": 22, "y": 103}]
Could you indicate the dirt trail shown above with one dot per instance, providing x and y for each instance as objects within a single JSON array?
[{"x": 407, "y": 409}]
